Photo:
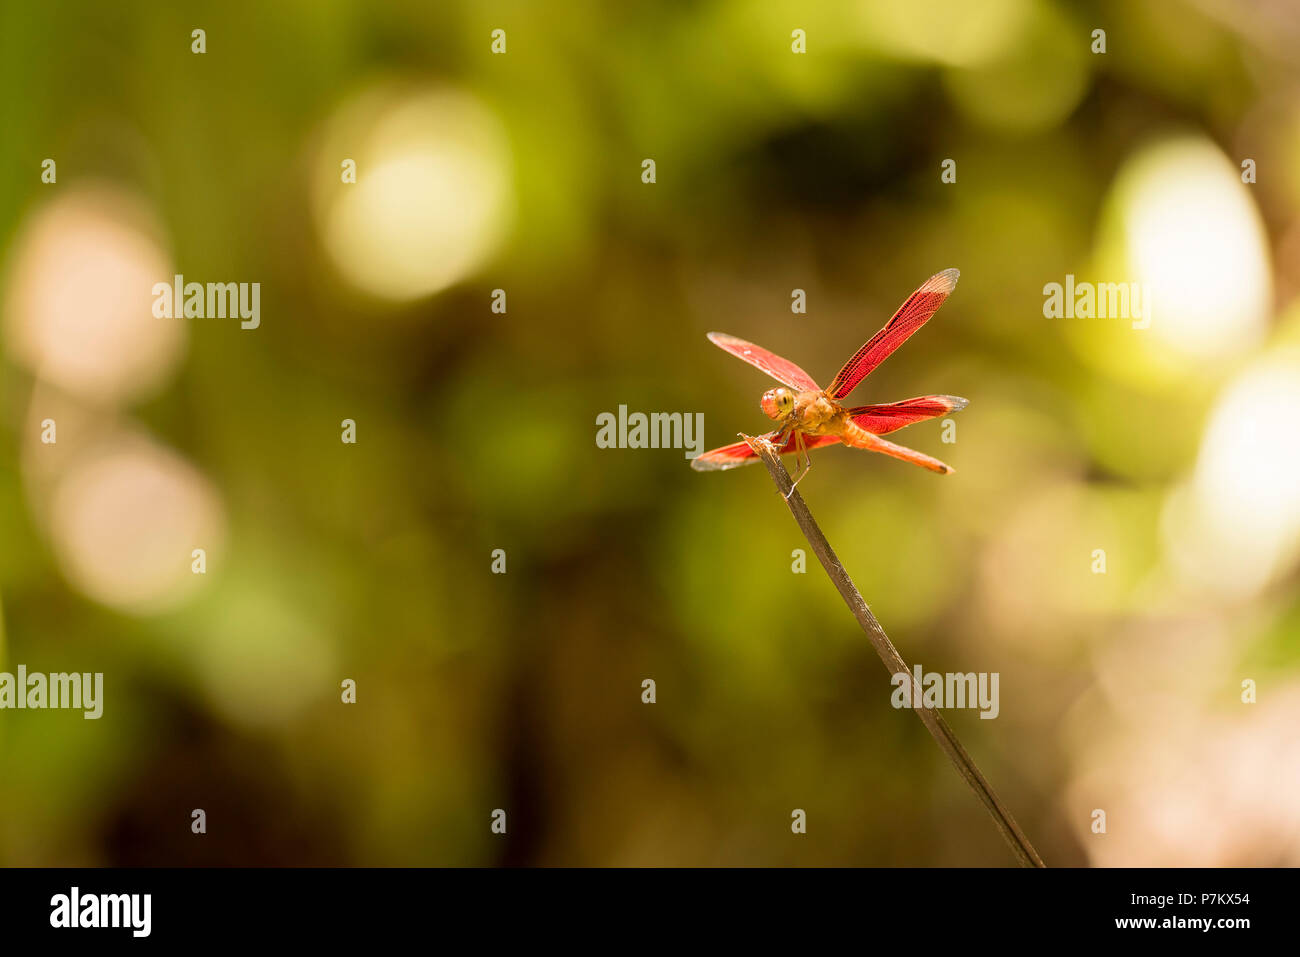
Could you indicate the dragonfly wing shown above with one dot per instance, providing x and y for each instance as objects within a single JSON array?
[
  {"x": 883, "y": 419},
  {"x": 739, "y": 453},
  {"x": 782, "y": 370},
  {"x": 911, "y": 315}
]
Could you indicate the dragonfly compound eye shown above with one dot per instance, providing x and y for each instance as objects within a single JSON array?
[{"x": 777, "y": 403}]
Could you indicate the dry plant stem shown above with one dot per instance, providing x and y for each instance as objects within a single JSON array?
[{"x": 893, "y": 661}]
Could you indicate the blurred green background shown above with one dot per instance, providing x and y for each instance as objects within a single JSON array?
[{"x": 1172, "y": 449}]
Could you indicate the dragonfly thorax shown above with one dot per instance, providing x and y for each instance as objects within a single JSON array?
[{"x": 813, "y": 412}]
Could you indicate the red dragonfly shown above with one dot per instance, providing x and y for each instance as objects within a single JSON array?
[{"x": 811, "y": 417}]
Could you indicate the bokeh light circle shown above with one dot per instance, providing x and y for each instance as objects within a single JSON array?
[
  {"x": 124, "y": 525},
  {"x": 433, "y": 197},
  {"x": 1195, "y": 237},
  {"x": 79, "y": 309}
]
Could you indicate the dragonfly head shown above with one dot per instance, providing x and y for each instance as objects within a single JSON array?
[{"x": 777, "y": 403}]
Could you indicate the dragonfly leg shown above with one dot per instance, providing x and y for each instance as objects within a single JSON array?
[
  {"x": 800, "y": 447},
  {"x": 807, "y": 460}
]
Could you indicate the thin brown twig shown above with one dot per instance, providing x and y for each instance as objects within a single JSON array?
[{"x": 893, "y": 661}]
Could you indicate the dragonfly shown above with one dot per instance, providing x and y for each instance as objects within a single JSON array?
[{"x": 811, "y": 417}]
